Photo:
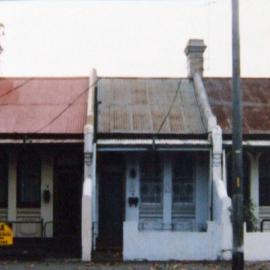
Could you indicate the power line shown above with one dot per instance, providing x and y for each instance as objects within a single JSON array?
[
  {"x": 16, "y": 88},
  {"x": 67, "y": 107}
]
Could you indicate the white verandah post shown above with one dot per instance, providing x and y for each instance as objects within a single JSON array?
[{"x": 89, "y": 173}]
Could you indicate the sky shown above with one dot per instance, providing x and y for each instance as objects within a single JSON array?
[{"x": 130, "y": 38}]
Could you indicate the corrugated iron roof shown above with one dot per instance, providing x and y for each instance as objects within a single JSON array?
[
  {"x": 127, "y": 105},
  {"x": 30, "y": 105},
  {"x": 256, "y": 103},
  {"x": 138, "y": 106}
]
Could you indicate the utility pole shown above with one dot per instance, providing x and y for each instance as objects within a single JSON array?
[{"x": 237, "y": 173}]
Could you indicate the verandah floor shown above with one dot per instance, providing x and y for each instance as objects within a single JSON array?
[{"x": 41, "y": 248}]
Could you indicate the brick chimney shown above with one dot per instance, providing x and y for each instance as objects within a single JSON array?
[{"x": 194, "y": 52}]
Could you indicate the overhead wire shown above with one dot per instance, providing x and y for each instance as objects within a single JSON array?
[
  {"x": 67, "y": 107},
  {"x": 16, "y": 88},
  {"x": 168, "y": 112},
  {"x": 83, "y": 92}
]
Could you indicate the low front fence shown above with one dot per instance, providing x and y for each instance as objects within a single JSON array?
[
  {"x": 26, "y": 228},
  {"x": 256, "y": 246},
  {"x": 171, "y": 245}
]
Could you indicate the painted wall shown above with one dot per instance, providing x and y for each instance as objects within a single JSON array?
[
  {"x": 170, "y": 245},
  {"x": 256, "y": 246},
  {"x": 201, "y": 167},
  {"x": 132, "y": 186},
  {"x": 32, "y": 214},
  {"x": 45, "y": 211}
]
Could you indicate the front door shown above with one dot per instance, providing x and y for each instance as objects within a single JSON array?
[
  {"x": 111, "y": 205},
  {"x": 67, "y": 212},
  {"x": 67, "y": 204}
]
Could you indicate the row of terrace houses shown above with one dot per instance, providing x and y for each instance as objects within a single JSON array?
[{"x": 141, "y": 166}]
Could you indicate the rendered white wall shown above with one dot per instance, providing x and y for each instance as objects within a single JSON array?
[
  {"x": 87, "y": 194},
  {"x": 222, "y": 215},
  {"x": 86, "y": 220},
  {"x": 256, "y": 246},
  {"x": 254, "y": 182},
  {"x": 132, "y": 187},
  {"x": 170, "y": 245},
  {"x": 167, "y": 244}
]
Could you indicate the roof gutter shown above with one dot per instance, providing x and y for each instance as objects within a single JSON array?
[
  {"x": 40, "y": 141},
  {"x": 256, "y": 143},
  {"x": 111, "y": 142},
  {"x": 147, "y": 144}
]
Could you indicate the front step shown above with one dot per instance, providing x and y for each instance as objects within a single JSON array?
[
  {"x": 30, "y": 248},
  {"x": 107, "y": 256}
]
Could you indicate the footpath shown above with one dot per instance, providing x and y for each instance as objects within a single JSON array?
[{"x": 76, "y": 265}]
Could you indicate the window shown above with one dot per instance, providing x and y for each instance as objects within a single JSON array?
[
  {"x": 3, "y": 180},
  {"x": 183, "y": 207},
  {"x": 264, "y": 186},
  {"x": 183, "y": 184},
  {"x": 151, "y": 182},
  {"x": 151, "y": 188},
  {"x": 167, "y": 191},
  {"x": 29, "y": 180}
]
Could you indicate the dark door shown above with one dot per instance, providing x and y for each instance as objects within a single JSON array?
[
  {"x": 67, "y": 210},
  {"x": 111, "y": 205}
]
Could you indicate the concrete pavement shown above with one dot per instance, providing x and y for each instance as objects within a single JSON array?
[{"x": 77, "y": 265}]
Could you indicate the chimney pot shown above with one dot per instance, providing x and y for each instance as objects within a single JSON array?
[{"x": 194, "y": 52}]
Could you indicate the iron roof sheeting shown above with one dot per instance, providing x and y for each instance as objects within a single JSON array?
[
  {"x": 256, "y": 103},
  {"x": 139, "y": 106},
  {"x": 42, "y": 105},
  {"x": 127, "y": 105}
]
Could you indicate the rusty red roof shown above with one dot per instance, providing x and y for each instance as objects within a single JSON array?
[
  {"x": 256, "y": 103},
  {"x": 42, "y": 105}
]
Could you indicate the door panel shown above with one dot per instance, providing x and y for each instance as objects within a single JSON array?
[
  {"x": 111, "y": 211},
  {"x": 67, "y": 205}
]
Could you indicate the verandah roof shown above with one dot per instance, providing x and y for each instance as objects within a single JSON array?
[
  {"x": 37, "y": 105},
  {"x": 256, "y": 104},
  {"x": 128, "y": 106}
]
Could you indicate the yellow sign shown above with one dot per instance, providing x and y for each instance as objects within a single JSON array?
[{"x": 6, "y": 235}]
